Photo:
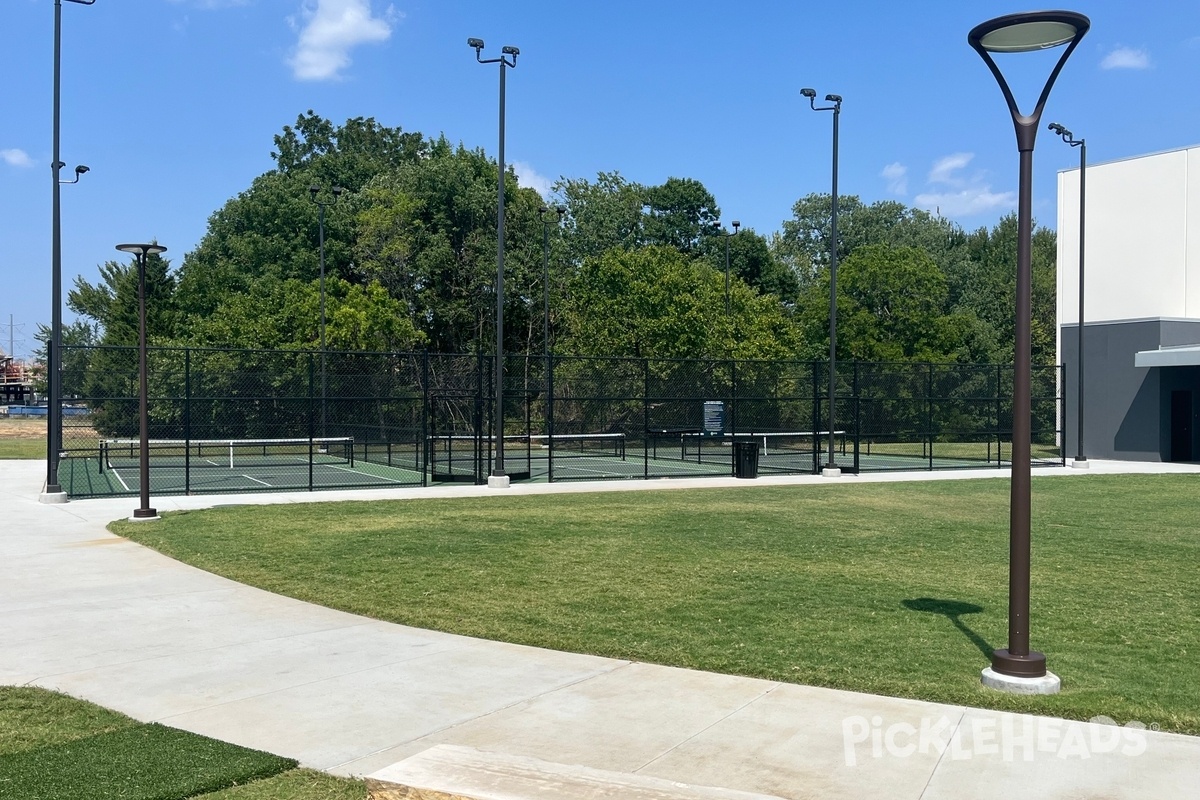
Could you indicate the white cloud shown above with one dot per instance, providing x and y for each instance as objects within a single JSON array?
[
  {"x": 529, "y": 178},
  {"x": 944, "y": 168},
  {"x": 896, "y": 176},
  {"x": 1126, "y": 58},
  {"x": 331, "y": 29},
  {"x": 966, "y": 203},
  {"x": 961, "y": 196},
  {"x": 16, "y": 158},
  {"x": 210, "y": 4}
]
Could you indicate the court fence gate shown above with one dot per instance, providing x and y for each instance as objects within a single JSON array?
[{"x": 228, "y": 420}]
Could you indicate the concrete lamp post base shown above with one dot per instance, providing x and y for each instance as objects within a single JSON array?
[
  {"x": 498, "y": 482},
  {"x": 144, "y": 515},
  {"x": 831, "y": 472},
  {"x": 1081, "y": 463},
  {"x": 1046, "y": 684},
  {"x": 52, "y": 497}
]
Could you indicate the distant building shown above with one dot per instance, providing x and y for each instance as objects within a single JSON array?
[
  {"x": 1142, "y": 306},
  {"x": 16, "y": 381}
]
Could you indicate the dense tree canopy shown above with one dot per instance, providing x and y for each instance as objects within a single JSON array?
[{"x": 410, "y": 261}]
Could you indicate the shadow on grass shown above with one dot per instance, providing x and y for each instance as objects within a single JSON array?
[{"x": 952, "y": 610}]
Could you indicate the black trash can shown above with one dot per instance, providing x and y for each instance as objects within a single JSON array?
[{"x": 745, "y": 459}]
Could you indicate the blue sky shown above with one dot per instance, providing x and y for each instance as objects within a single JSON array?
[{"x": 173, "y": 104}]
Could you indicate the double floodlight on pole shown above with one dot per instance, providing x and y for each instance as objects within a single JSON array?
[
  {"x": 313, "y": 192},
  {"x": 1017, "y": 668},
  {"x": 735, "y": 225},
  {"x": 831, "y": 469},
  {"x": 140, "y": 251},
  {"x": 1080, "y": 459},
  {"x": 54, "y": 492},
  {"x": 498, "y": 477}
]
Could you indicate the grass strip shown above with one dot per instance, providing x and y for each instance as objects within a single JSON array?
[
  {"x": 143, "y": 762},
  {"x": 891, "y": 588}
]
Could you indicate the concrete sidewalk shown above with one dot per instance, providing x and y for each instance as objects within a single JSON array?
[{"x": 96, "y": 616}]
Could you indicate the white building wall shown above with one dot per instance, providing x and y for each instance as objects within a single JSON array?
[{"x": 1142, "y": 253}]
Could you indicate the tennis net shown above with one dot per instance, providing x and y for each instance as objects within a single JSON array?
[{"x": 228, "y": 453}]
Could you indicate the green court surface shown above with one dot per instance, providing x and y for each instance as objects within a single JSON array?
[{"x": 92, "y": 476}]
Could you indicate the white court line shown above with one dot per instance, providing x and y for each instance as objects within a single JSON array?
[
  {"x": 256, "y": 480},
  {"x": 122, "y": 480},
  {"x": 360, "y": 472}
]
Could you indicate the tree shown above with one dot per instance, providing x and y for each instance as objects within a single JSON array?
[
  {"x": 680, "y": 213},
  {"x": 891, "y": 307},
  {"x": 654, "y": 302}
]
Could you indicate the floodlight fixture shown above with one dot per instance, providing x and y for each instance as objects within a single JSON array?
[
  {"x": 831, "y": 469},
  {"x": 1021, "y": 33},
  {"x": 498, "y": 477},
  {"x": 53, "y": 492},
  {"x": 1068, "y": 137},
  {"x": 736, "y": 225}
]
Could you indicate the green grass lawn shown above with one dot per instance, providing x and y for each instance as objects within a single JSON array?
[
  {"x": 23, "y": 448},
  {"x": 897, "y": 589},
  {"x": 60, "y": 748}
]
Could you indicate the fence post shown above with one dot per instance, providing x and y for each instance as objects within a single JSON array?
[
  {"x": 187, "y": 420},
  {"x": 550, "y": 417},
  {"x": 310, "y": 421},
  {"x": 999, "y": 411},
  {"x": 1061, "y": 385},
  {"x": 857, "y": 417},
  {"x": 929, "y": 411},
  {"x": 423, "y": 449},
  {"x": 646, "y": 419},
  {"x": 816, "y": 419}
]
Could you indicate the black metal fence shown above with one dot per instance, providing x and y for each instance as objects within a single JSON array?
[{"x": 264, "y": 420}]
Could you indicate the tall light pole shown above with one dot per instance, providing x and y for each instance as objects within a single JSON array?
[
  {"x": 313, "y": 192},
  {"x": 499, "y": 478},
  {"x": 54, "y": 492},
  {"x": 736, "y": 225},
  {"x": 831, "y": 469},
  {"x": 546, "y": 223},
  {"x": 1081, "y": 461},
  {"x": 1017, "y": 668},
  {"x": 144, "y": 511}
]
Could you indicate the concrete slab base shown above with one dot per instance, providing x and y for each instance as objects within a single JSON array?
[
  {"x": 1081, "y": 464},
  {"x": 53, "y": 497},
  {"x": 132, "y": 518},
  {"x": 449, "y": 772},
  {"x": 498, "y": 482},
  {"x": 1047, "y": 684},
  {"x": 831, "y": 472}
]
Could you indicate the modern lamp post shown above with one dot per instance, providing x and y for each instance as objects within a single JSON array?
[
  {"x": 144, "y": 511},
  {"x": 1081, "y": 461},
  {"x": 313, "y": 192},
  {"x": 831, "y": 469},
  {"x": 736, "y": 225},
  {"x": 54, "y": 492},
  {"x": 499, "y": 478},
  {"x": 1017, "y": 668}
]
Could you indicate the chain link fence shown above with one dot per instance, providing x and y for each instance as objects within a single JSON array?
[{"x": 224, "y": 420}]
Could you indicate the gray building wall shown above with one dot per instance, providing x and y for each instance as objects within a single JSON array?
[{"x": 1127, "y": 410}]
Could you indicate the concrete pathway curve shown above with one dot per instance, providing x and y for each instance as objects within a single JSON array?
[{"x": 96, "y": 616}]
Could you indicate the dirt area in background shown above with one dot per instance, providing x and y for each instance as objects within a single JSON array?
[{"x": 22, "y": 428}]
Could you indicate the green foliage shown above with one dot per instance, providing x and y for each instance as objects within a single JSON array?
[
  {"x": 891, "y": 303},
  {"x": 654, "y": 302}
]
